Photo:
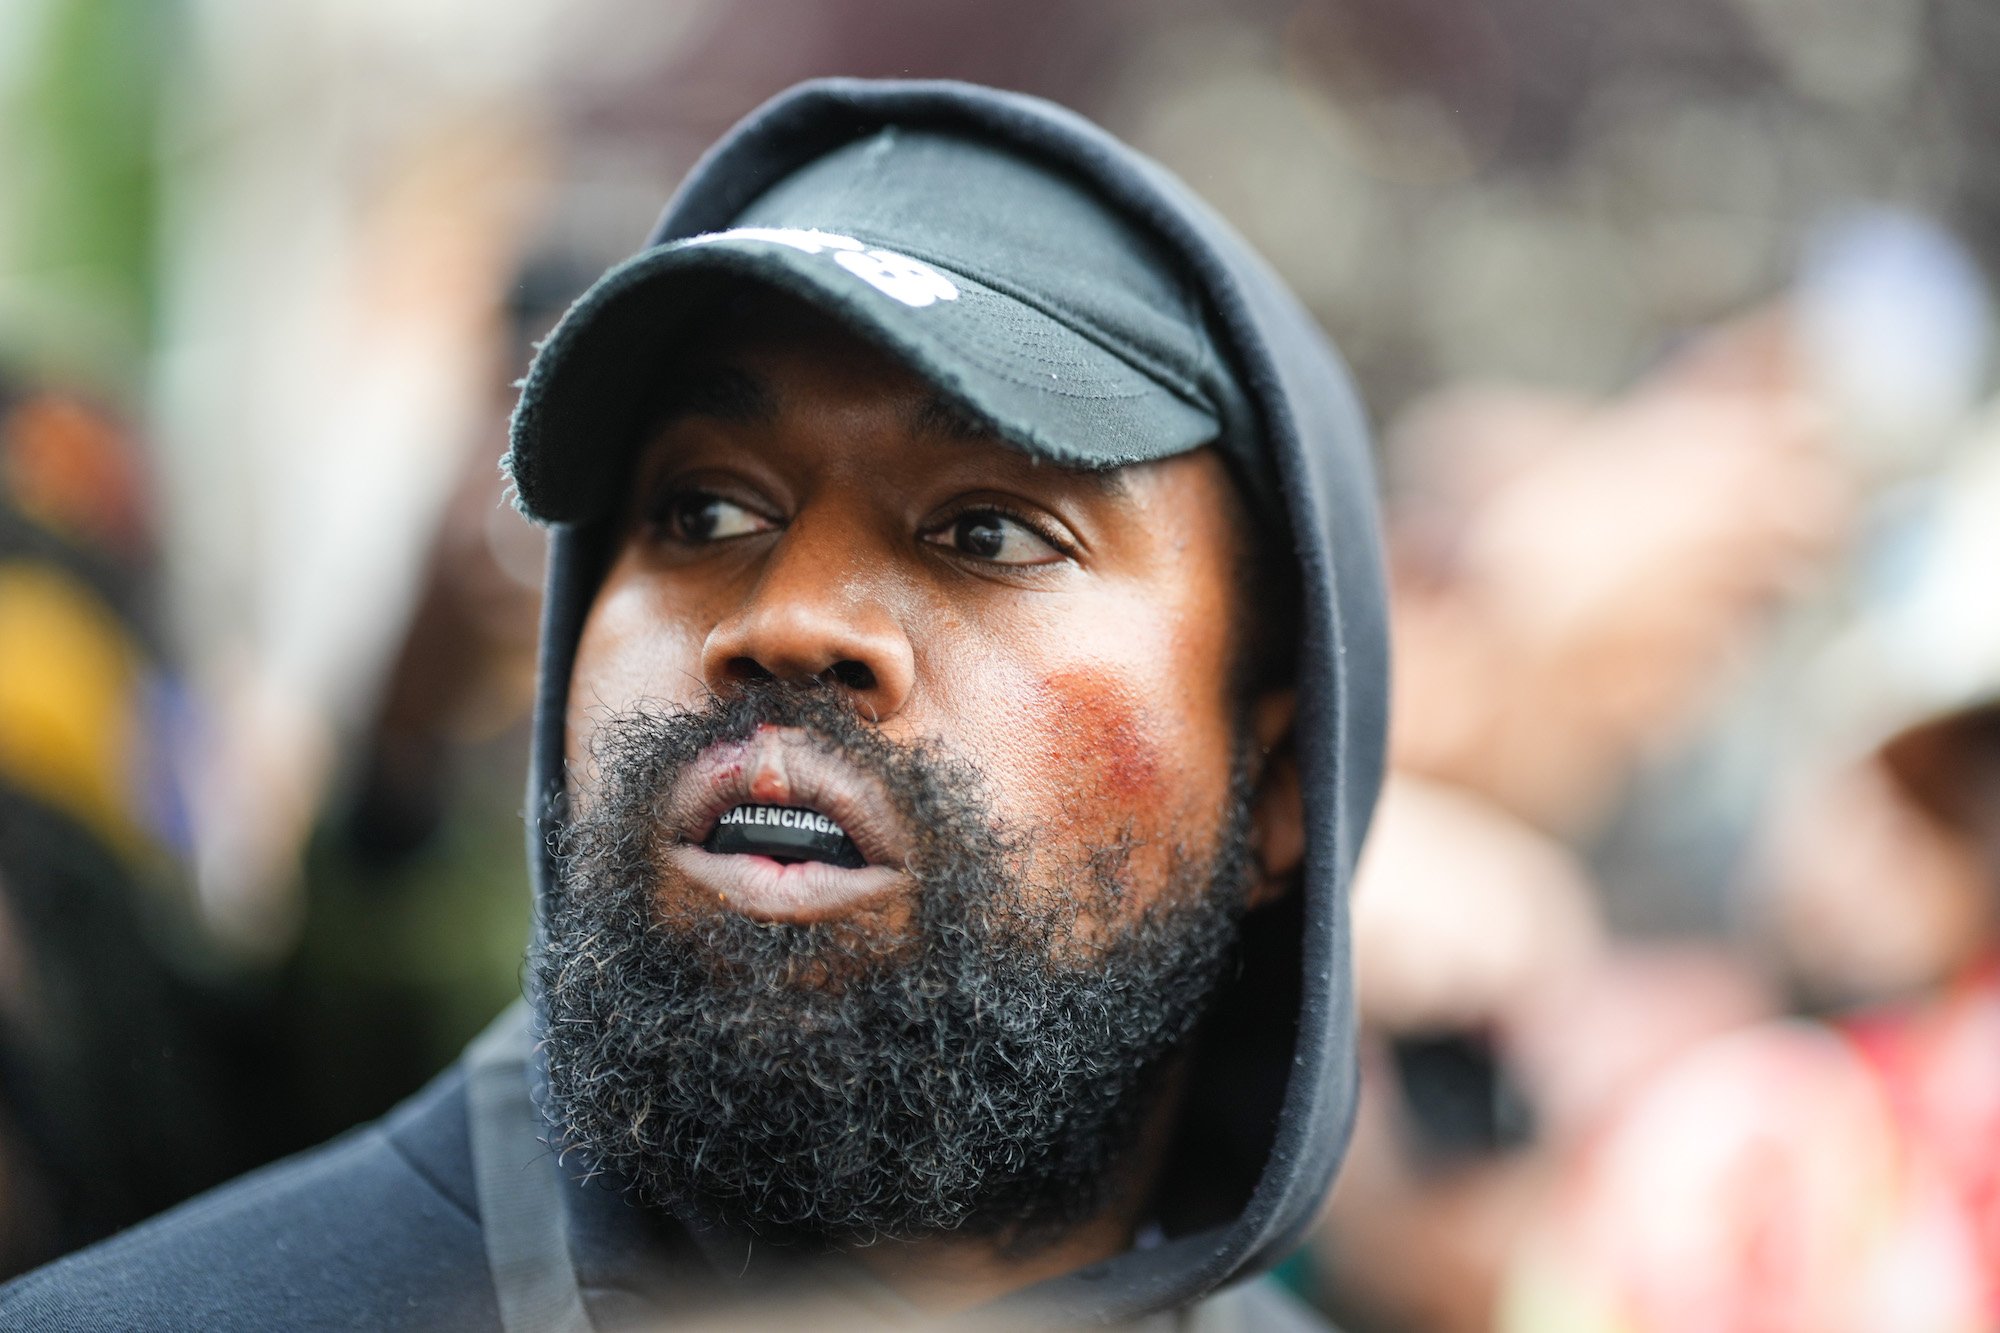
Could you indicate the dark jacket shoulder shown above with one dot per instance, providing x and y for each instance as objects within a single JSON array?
[{"x": 378, "y": 1229}]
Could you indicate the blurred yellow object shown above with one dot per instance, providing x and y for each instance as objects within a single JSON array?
[{"x": 69, "y": 673}]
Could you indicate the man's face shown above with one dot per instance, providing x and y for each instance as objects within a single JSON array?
[
  {"x": 815, "y": 513},
  {"x": 914, "y": 799}
]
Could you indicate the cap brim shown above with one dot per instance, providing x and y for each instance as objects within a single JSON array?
[{"x": 1035, "y": 380}]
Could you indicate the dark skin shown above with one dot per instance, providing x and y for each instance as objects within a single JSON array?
[{"x": 1072, "y": 634}]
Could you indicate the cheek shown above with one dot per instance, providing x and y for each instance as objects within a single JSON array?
[
  {"x": 1082, "y": 748},
  {"x": 1105, "y": 739},
  {"x": 631, "y": 650},
  {"x": 1112, "y": 752}
]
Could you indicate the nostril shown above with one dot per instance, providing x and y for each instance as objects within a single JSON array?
[
  {"x": 854, "y": 675},
  {"x": 749, "y": 668}
]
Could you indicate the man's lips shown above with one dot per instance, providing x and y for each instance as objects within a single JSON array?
[
  {"x": 779, "y": 769},
  {"x": 800, "y": 893}
]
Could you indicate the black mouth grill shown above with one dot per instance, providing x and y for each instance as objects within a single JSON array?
[{"x": 785, "y": 834}]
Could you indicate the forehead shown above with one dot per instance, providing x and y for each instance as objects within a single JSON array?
[
  {"x": 756, "y": 374},
  {"x": 765, "y": 365}
]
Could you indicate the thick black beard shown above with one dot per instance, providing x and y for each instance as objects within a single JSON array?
[{"x": 985, "y": 1074}]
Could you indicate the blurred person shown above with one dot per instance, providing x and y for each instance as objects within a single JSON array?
[
  {"x": 1842, "y": 1173},
  {"x": 1759, "y": 1182},
  {"x": 1500, "y": 1027},
  {"x": 1905, "y": 790},
  {"x": 1468, "y": 926},
  {"x": 1819, "y": 1176},
  {"x": 124, "y": 1054},
  {"x": 1572, "y": 583},
  {"x": 413, "y": 892},
  {"x": 962, "y": 697},
  {"x": 465, "y": 667}
]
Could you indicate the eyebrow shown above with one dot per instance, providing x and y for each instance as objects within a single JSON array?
[
  {"x": 938, "y": 417},
  {"x": 741, "y": 397},
  {"x": 724, "y": 393}
]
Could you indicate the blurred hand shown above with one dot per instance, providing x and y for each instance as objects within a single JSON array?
[
  {"x": 1626, "y": 569},
  {"x": 1607, "y": 567}
]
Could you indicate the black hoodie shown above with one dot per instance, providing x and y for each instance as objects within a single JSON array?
[{"x": 399, "y": 1225}]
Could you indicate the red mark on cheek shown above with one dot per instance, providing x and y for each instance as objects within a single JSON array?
[{"x": 1106, "y": 733}]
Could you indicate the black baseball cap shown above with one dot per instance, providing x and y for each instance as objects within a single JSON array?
[{"x": 1007, "y": 284}]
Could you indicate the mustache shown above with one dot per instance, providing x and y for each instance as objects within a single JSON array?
[{"x": 653, "y": 738}]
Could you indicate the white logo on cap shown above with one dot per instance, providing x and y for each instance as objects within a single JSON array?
[{"x": 911, "y": 281}]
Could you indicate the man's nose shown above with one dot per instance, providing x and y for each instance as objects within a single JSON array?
[{"x": 817, "y": 611}]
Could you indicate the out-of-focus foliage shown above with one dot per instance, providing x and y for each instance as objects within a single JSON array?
[{"x": 81, "y": 85}]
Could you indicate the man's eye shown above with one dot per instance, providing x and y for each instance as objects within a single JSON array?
[
  {"x": 986, "y": 534},
  {"x": 697, "y": 516}
]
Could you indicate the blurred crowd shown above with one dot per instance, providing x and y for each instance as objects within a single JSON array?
[{"x": 1678, "y": 952}]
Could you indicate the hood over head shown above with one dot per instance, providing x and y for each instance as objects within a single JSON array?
[{"x": 1272, "y": 1090}]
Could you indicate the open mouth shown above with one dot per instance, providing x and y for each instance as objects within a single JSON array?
[
  {"x": 780, "y": 830},
  {"x": 785, "y": 833}
]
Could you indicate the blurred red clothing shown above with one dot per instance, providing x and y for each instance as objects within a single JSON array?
[
  {"x": 1938, "y": 1061},
  {"x": 1790, "y": 1178}
]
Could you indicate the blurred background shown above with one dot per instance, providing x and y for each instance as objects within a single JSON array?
[{"x": 1680, "y": 966}]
